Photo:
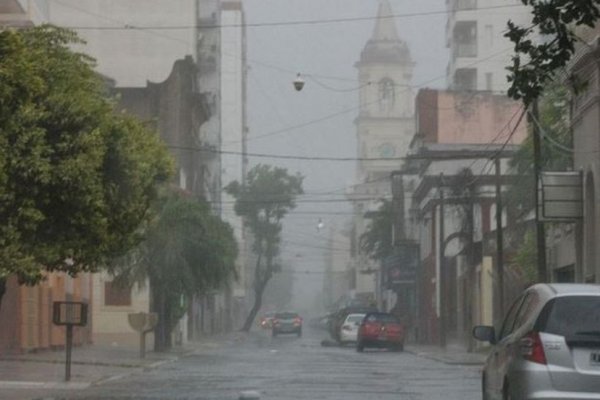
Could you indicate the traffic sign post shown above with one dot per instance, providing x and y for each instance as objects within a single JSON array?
[{"x": 69, "y": 314}]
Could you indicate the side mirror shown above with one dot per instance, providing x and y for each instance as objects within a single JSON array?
[{"x": 485, "y": 333}]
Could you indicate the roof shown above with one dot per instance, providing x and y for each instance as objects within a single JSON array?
[{"x": 561, "y": 289}]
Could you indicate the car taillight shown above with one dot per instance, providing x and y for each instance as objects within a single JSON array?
[
  {"x": 532, "y": 348},
  {"x": 297, "y": 321}
]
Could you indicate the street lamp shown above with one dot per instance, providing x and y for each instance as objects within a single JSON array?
[{"x": 299, "y": 82}]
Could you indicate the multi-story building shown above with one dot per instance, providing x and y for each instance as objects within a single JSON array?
[
  {"x": 233, "y": 135},
  {"x": 384, "y": 128},
  {"x": 23, "y": 13},
  {"x": 479, "y": 52},
  {"x": 136, "y": 49}
]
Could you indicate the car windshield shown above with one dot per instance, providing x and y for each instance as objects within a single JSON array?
[
  {"x": 571, "y": 315},
  {"x": 382, "y": 318},
  {"x": 205, "y": 198},
  {"x": 286, "y": 315},
  {"x": 355, "y": 318}
]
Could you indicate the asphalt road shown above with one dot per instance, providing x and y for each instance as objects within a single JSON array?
[{"x": 289, "y": 368}]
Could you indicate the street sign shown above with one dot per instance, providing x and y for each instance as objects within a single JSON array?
[
  {"x": 69, "y": 314},
  {"x": 560, "y": 196},
  {"x": 401, "y": 267}
]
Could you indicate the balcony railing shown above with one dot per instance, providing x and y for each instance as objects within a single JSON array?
[
  {"x": 465, "y": 50},
  {"x": 465, "y": 5}
]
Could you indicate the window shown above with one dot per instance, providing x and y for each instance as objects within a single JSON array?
[
  {"x": 115, "y": 295},
  {"x": 509, "y": 321},
  {"x": 571, "y": 315},
  {"x": 489, "y": 81},
  {"x": 489, "y": 36},
  {"x": 529, "y": 305},
  {"x": 387, "y": 94}
]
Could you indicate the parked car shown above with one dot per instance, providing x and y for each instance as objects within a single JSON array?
[
  {"x": 338, "y": 318},
  {"x": 381, "y": 330},
  {"x": 266, "y": 321},
  {"x": 287, "y": 322},
  {"x": 349, "y": 329},
  {"x": 548, "y": 346}
]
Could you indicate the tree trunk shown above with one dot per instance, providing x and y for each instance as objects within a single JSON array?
[
  {"x": 161, "y": 331},
  {"x": 2, "y": 289},
  {"x": 259, "y": 288},
  {"x": 258, "y": 293}
]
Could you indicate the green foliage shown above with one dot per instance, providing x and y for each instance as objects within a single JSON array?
[
  {"x": 525, "y": 259},
  {"x": 536, "y": 61},
  {"x": 554, "y": 119},
  {"x": 76, "y": 180},
  {"x": 376, "y": 241},
  {"x": 268, "y": 194},
  {"x": 187, "y": 251}
]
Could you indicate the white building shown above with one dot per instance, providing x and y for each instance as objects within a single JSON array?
[
  {"x": 136, "y": 43},
  {"x": 23, "y": 12},
  {"x": 385, "y": 127},
  {"x": 479, "y": 52},
  {"x": 233, "y": 132}
]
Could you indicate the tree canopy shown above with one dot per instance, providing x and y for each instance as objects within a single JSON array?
[
  {"x": 187, "y": 251},
  {"x": 268, "y": 194},
  {"x": 547, "y": 44},
  {"x": 76, "y": 179},
  {"x": 376, "y": 241}
]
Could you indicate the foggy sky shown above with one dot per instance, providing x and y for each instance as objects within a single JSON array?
[{"x": 276, "y": 53}]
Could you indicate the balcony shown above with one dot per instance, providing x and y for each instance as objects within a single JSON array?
[
  {"x": 461, "y": 5},
  {"x": 465, "y": 79},
  {"x": 465, "y": 50}
]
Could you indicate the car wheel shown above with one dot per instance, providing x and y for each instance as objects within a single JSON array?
[
  {"x": 360, "y": 347},
  {"x": 400, "y": 347}
]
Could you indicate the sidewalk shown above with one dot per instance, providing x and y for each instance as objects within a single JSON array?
[
  {"x": 91, "y": 365},
  {"x": 451, "y": 355}
]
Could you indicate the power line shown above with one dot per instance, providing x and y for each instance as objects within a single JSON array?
[{"x": 288, "y": 23}]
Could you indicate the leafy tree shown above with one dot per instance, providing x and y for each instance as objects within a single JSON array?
[
  {"x": 187, "y": 251},
  {"x": 554, "y": 120},
  {"x": 263, "y": 201},
  {"x": 376, "y": 241},
  {"x": 536, "y": 62},
  {"x": 76, "y": 180}
]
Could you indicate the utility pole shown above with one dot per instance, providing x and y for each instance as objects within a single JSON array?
[
  {"x": 442, "y": 276},
  {"x": 499, "y": 239},
  {"x": 537, "y": 165}
]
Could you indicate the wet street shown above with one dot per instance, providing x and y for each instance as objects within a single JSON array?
[{"x": 292, "y": 368}]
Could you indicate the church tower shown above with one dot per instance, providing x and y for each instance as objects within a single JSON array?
[{"x": 385, "y": 127}]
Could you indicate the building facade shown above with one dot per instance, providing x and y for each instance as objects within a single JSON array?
[{"x": 479, "y": 52}]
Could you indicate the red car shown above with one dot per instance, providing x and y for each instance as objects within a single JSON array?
[{"x": 380, "y": 330}]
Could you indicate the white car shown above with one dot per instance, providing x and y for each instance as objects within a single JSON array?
[{"x": 349, "y": 329}]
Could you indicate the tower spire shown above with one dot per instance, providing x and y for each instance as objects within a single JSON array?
[{"x": 385, "y": 27}]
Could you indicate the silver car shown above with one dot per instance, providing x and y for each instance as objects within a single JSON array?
[{"x": 548, "y": 346}]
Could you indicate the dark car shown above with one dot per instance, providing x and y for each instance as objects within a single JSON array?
[
  {"x": 286, "y": 322},
  {"x": 380, "y": 330}
]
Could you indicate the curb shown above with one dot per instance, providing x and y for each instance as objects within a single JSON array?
[{"x": 135, "y": 368}]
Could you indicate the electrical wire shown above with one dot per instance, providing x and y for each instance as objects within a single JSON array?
[{"x": 290, "y": 23}]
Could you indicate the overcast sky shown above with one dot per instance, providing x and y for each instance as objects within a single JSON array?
[{"x": 332, "y": 49}]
